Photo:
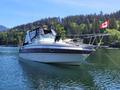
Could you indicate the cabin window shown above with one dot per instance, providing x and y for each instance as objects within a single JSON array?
[
  {"x": 40, "y": 34},
  {"x": 33, "y": 34}
]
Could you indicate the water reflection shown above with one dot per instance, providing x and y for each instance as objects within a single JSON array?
[
  {"x": 105, "y": 68},
  {"x": 101, "y": 71},
  {"x": 106, "y": 58},
  {"x": 52, "y": 77}
]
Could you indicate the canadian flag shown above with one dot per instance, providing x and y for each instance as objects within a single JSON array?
[{"x": 104, "y": 24}]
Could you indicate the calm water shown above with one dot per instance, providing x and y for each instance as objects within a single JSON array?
[{"x": 101, "y": 71}]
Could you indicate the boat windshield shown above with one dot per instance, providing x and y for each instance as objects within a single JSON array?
[
  {"x": 41, "y": 34},
  {"x": 32, "y": 34}
]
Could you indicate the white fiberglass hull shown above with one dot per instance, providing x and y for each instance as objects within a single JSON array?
[
  {"x": 55, "y": 53},
  {"x": 60, "y": 58}
]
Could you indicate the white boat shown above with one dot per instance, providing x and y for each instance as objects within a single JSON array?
[{"x": 45, "y": 46}]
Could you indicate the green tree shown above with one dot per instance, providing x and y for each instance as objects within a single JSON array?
[
  {"x": 114, "y": 34},
  {"x": 60, "y": 30}
]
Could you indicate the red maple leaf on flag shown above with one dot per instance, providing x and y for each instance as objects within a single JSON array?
[{"x": 105, "y": 24}]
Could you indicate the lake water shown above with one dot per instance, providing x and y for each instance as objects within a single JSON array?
[{"x": 101, "y": 71}]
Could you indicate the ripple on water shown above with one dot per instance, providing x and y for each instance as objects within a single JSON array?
[{"x": 98, "y": 75}]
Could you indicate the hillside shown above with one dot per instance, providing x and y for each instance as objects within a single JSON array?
[
  {"x": 75, "y": 25},
  {"x": 3, "y": 28},
  {"x": 70, "y": 26}
]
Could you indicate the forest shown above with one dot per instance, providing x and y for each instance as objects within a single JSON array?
[{"x": 70, "y": 26}]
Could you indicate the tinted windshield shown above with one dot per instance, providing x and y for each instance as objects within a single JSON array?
[{"x": 41, "y": 34}]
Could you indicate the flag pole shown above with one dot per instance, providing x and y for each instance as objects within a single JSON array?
[{"x": 103, "y": 26}]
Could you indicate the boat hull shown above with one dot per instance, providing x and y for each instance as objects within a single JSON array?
[{"x": 58, "y": 58}]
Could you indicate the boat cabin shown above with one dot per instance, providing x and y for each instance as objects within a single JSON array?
[{"x": 40, "y": 35}]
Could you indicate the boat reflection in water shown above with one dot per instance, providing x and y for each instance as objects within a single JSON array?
[
  {"x": 44, "y": 45},
  {"x": 57, "y": 77}
]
